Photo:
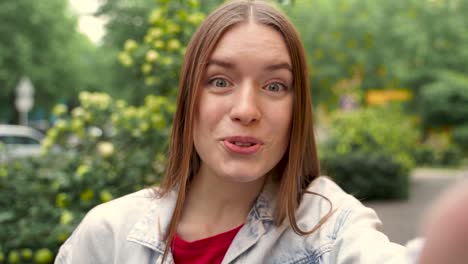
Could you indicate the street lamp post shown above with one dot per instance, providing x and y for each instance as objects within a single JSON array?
[{"x": 24, "y": 99}]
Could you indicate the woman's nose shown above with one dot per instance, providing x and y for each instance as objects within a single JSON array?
[{"x": 246, "y": 105}]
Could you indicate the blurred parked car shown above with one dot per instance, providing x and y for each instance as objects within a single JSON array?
[{"x": 19, "y": 141}]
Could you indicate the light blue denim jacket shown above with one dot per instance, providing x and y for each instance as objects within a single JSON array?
[{"x": 131, "y": 230}]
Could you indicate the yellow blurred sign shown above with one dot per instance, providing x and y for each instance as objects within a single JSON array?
[{"x": 379, "y": 97}]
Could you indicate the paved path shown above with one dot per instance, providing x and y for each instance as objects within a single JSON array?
[{"x": 401, "y": 219}]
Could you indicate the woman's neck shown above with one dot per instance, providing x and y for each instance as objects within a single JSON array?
[{"x": 215, "y": 205}]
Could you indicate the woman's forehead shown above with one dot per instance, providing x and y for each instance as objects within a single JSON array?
[{"x": 251, "y": 39}]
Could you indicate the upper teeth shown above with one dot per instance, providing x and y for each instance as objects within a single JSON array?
[{"x": 243, "y": 144}]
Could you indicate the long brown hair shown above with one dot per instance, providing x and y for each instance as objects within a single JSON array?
[{"x": 299, "y": 166}]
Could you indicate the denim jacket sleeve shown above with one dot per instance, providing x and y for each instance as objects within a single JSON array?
[{"x": 359, "y": 240}]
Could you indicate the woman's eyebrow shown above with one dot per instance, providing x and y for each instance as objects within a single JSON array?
[
  {"x": 279, "y": 66},
  {"x": 220, "y": 63}
]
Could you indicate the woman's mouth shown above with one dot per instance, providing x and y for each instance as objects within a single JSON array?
[{"x": 242, "y": 145}]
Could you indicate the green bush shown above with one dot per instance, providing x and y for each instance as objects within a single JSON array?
[
  {"x": 424, "y": 155},
  {"x": 101, "y": 149},
  {"x": 443, "y": 103},
  {"x": 369, "y": 176},
  {"x": 29, "y": 219},
  {"x": 450, "y": 155},
  {"x": 441, "y": 147},
  {"x": 369, "y": 152},
  {"x": 460, "y": 136}
]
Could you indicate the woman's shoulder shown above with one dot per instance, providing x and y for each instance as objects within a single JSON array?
[
  {"x": 327, "y": 189},
  {"x": 324, "y": 196},
  {"x": 119, "y": 213},
  {"x": 130, "y": 204},
  {"x": 102, "y": 233}
]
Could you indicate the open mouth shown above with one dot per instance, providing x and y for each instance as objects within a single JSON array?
[{"x": 242, "y": 145}]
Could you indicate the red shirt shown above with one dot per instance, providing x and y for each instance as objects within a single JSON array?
[{"x": 209, "y": 250}]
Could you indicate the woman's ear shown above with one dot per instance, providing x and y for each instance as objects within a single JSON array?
[{"x": 446, "y": 228}]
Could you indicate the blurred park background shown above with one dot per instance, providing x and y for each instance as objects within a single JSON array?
[{"x": 389, "y": 82}]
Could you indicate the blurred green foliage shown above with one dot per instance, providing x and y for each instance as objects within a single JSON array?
[
  {"x": 125, "y": 20},
  {"x": 369, "y": 151},
  {"x": 444, "y": 102},
  {"x": 29, "y": 221},
  {"x": 443, "y": 107},
  {"x": 369, "y": 176},
  {"x": 386, "y": 129},
  {"x": 99, "y": 150},
  {"x": 460, "y": 137},
  {"x": 158, "y": 57},
  {"x": 449, "y": 156}
]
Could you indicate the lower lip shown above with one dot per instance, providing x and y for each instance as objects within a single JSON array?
[{"x": 241, "y": 150}]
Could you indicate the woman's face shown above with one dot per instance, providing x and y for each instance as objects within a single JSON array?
[{"x": 243, "y": 120}]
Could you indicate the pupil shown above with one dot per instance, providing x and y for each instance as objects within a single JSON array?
[{"x": 221, "y": 83}]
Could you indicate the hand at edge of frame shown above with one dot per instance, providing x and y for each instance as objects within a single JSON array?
[{"x": 446, "y": 228}]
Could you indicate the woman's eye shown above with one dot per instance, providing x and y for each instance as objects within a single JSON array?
[
  {"x": 276, "y": 87},
  {"x": 219, "y": 82}
]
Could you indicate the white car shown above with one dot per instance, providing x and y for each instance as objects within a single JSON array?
[{"x": 19, "y": 141}]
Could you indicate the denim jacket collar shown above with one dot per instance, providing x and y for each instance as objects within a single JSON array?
[
  {"x": 151, "y": 229},
  {"x": 259, "y": 221}
]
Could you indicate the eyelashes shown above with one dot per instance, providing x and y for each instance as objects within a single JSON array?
[
  {"x": 276, "y": 87},
  {"x": 273, "y": 86},
  {"x": 219, "y": 82}
]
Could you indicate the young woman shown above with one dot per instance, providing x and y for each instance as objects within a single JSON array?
[{"x": 242, "y": 183}]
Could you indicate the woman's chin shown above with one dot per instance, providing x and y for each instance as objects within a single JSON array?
[{"x": 243, "y": 177}]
